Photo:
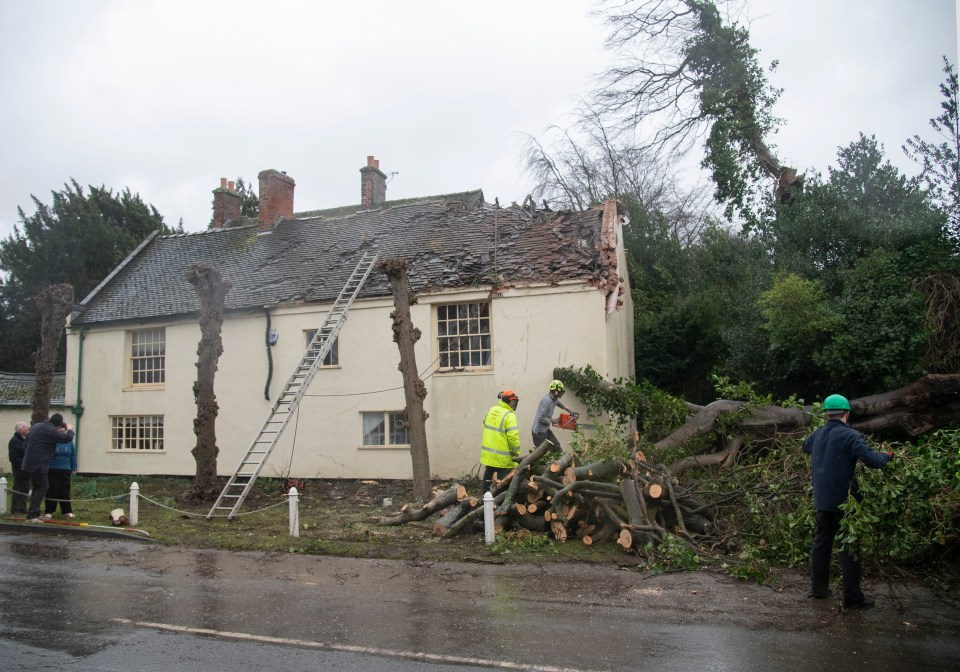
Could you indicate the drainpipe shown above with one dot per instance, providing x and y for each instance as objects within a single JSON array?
[{"x": 78, "y": 406}]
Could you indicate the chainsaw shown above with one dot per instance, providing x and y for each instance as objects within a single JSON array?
[{"x": 569, "y": 421}]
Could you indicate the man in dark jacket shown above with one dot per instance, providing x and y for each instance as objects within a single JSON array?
[
  {"x": 21, "y": 479},
  {"x": 836, "y": 449},
  {"x": 42, "y": 440}
]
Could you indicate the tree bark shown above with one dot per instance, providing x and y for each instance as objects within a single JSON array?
[
  {"x": 212, "y": 290},
  {"x": 405, "y": 335},
  {"x": 55, "y": 303}
]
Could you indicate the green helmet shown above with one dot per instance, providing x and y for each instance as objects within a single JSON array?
[
  {"x": 556, "y": 386},
  {"x": 836, "y": 402}
]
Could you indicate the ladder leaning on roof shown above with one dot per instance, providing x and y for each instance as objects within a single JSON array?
[{"x": 239, "y": 485}]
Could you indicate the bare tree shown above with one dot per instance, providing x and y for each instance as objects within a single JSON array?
[
  {"x": 405, "y": 335},
  {"x": 55, "y": 303},
  {"x": 212, "y": 290},
  {"x": 584, "y": 166}
]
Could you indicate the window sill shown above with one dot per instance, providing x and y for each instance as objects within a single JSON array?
[
  {"x": 153, "y": 387},
  {"x": 405, "y": 446},
  {"x": 138, "y": 451}
]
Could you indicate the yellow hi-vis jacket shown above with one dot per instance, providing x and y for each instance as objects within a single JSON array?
[{"x": 501, "y": 439}]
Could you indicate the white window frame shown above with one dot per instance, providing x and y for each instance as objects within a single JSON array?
[
  {"x": 150, "y": 361},
  {"x": 464, "y": 340},
  {"x": 394, "y": 426},
  {"x": 136, "y": 433},
  {"x": 333, "y": 357}
]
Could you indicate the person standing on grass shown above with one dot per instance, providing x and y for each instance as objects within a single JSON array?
[
  {"x": 21, "y": 479},
  {"x": 62, "y": 466},
  {"x": 42, "y": 440},
  {"x": 836, "y": 449}
]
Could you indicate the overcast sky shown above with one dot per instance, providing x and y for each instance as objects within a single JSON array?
[{"x": 167, "y": 96}]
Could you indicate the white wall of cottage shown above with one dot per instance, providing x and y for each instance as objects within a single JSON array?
[{"x": 534, "y": 330}]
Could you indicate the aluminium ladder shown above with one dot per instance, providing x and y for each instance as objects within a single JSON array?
[{"x": 239, "y": 485}]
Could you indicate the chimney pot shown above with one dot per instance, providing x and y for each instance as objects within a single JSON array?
[
  {"x": 231, "y": 185},
  {"x": 223, "y": 182}
]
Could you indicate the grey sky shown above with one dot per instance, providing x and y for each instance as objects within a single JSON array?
[{"x": 168, "y": 96}]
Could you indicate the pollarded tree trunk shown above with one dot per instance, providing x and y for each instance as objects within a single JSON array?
[
  {"x": 55, "y": 303},
  {"x": 212, "y": 290},
  {"x": 405, "y": 335}
]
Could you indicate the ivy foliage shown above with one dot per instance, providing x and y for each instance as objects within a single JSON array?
[{"x": 657, "y": 413}]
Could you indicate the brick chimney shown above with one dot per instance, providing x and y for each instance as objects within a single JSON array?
[
  {"x": 276, "y": 198},
  {"x": 373, "y": 185},
  {"x": 227, "y": 204}
]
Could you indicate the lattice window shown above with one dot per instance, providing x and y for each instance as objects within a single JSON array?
[
  {"x": 136, "y": 432},
  {"x": 463, "y": 335}
]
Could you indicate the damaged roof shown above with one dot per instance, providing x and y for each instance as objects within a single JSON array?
[{"x": 452, "y": 242}]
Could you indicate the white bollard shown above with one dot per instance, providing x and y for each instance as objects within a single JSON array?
[
  {"x": 134, "y": 503},
  {"x": 3, "y": 495},
  {"x": 294, "y": 501},
  {"x": 489, "y": 534}
]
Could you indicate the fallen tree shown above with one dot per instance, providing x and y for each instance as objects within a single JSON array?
[{"x": 636, "y": 501}]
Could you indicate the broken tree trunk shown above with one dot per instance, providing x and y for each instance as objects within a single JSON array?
[
  {"x": 212, "y": 290},
  {"x": 405, "y": 335},
  {"x": 55, "y": 303}
]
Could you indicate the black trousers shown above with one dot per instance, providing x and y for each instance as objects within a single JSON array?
[
  {"x": 828, "y": 524},
  {"x": 39, "y": 483},
  {"x": 59, "y": 492},
  {"x": 540, "y": 437},
  {"x": 21, "y": 490},
  {"x": 488, "y": 473}
]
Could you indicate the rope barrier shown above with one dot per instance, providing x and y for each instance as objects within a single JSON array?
[
  {"x": 204, "y": 515},
  {"x": 72, "y": 499}
]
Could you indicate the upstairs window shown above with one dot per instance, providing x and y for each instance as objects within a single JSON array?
[
  {"x": 333, "y": 357},
  {"x": 463, "y": 335},
  {"x": 148, "y": 349}
]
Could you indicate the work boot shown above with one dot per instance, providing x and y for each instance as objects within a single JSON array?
[
  {"x": 863, "y": 603},
  {"x": 819, "y": 594}
]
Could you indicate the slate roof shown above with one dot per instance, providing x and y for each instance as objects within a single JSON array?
[
  {"x": 451, "y": 241},
  {"x": 16, "y": 389}
]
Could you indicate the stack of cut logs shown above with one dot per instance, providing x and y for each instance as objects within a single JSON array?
[{"x": 634, "y": 503}]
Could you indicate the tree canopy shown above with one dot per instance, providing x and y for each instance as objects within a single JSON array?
[{"x": 78, "y": 239}]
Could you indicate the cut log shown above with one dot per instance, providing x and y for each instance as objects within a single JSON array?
[
  {"x": 653, "y": 491},
  {"x": 625, "y": 539},
  {"x": 407, "y": 513},
  {"x": 559, "y": 531},
  {"x": 443, "y": 524}
]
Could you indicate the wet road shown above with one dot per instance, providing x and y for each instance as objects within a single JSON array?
[{"x": 91, "y": 604}]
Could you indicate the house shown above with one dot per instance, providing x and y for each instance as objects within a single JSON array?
[
  {"x": 16, "y": 404},
  {"x": 505, "y": 295}
]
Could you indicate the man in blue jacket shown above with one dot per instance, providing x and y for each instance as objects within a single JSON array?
[
  {"x": 42, "y": 440},
  {"x": 836, "y": 449}
]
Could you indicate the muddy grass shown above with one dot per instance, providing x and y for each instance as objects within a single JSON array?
[{"x": 337, "y": 517}]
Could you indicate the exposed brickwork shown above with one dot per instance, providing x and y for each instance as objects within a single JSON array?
[
  {"x": 227, "y": 204},
  {"x": 373, "y": 185},
  {"x": 276, "y": 198}
]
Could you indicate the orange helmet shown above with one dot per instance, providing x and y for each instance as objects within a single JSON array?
[{"x": 508, "y": 396}]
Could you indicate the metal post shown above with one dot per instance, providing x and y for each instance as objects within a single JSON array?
[
  {"x": 134, "y": 503},
  {"x": 293, "y": 501},
  {"x": 488, "y": 531},
  {"x": 3, "y": 495}
]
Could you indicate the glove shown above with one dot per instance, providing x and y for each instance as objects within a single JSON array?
[{"x": 576, "y": 416}]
